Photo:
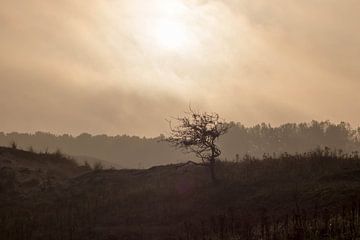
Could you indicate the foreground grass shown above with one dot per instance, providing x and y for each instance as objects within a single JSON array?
[{"x": 307, "y": 196}]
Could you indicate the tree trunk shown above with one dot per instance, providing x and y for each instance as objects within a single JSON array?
[{"x": 212, "y": 170}]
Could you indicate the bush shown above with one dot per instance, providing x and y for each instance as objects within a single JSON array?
[
  {"x": 13, "y": 145},
  {"x": 98, "y": 166}
]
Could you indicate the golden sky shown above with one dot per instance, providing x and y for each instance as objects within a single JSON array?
[{"x": 116, "y": 66}]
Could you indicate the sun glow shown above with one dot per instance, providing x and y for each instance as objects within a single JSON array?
[
  {"x": 171, "y": 35},
  {"x": 163, "y": 27}
]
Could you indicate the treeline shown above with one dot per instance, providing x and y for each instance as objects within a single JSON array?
[
  {"x": 289, "y": 138},
  {"x": 126, "y": 151},
  {"x": 137, "y": 152}
]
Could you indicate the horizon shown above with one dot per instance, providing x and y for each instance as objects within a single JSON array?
[
  {"x": 239, "y": 142},
  {"x": 353, "y": 127}
]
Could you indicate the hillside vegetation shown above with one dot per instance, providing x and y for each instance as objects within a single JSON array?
[
  {"x": 23, "y": 172},
  {"x": 307, "y": 196}
]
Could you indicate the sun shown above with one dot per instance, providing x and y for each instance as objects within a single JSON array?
[
  {"x": 171, "y": 34},
  {"x": 166, "y": 28}
]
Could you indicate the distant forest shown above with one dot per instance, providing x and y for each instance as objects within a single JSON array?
[{"x": 136, "y": 152}]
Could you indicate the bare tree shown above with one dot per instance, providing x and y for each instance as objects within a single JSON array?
[{"x": 197, "y": 133}]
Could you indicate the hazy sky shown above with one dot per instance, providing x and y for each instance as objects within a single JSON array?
[{"x": 116, "y": 66}]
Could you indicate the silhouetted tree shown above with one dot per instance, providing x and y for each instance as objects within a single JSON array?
[{"x": 197, "y": 133}]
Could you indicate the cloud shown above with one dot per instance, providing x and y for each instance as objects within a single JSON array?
[{"x": 92, "y": 66}]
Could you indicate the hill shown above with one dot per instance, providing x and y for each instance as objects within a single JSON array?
[
  {"x": 289, "y": 196},
  {"x": 24, "y": 171},
  {"x": 92, "y": 161}
]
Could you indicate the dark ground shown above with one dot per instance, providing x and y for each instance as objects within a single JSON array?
[{"x": 48, "y": 196}]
